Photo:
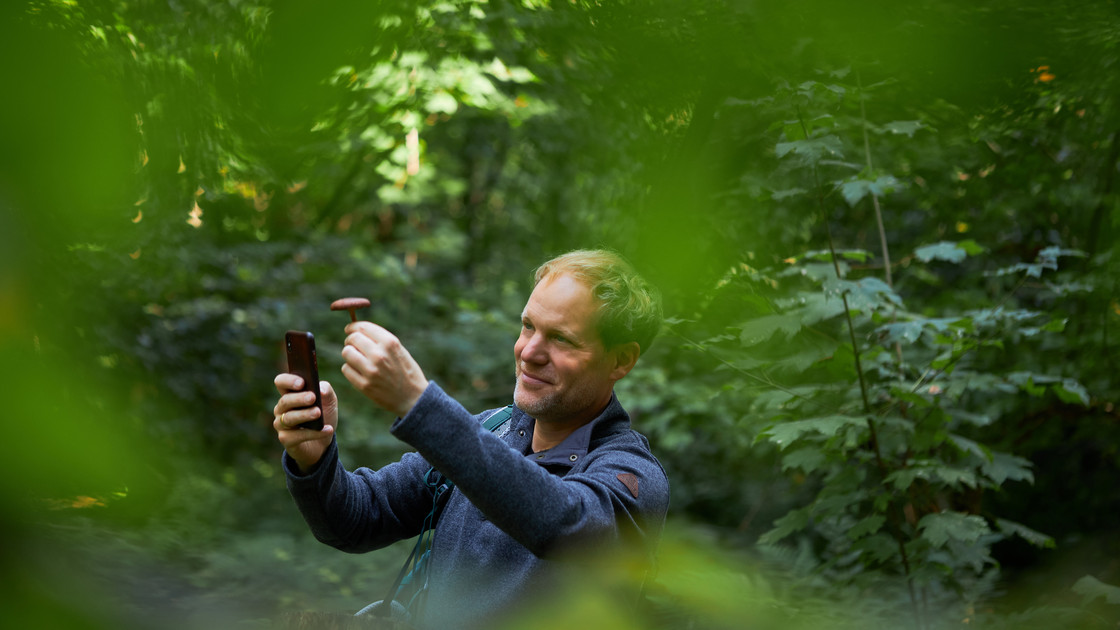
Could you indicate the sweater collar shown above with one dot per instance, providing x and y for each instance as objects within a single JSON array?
[{"x": 574, "y": 447}]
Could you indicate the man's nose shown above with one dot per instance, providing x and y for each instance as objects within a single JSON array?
[{"x": 534, "y": 350}]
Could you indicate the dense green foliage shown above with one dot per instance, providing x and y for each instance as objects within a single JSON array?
[{"x": 886, "y": 236}]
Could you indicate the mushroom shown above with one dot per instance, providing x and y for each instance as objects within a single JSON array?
[{"x": 350, "y": 304}]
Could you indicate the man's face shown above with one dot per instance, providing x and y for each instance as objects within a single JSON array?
[{"x": 564, "y": 374}]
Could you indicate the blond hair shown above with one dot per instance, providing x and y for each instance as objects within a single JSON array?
[{"x": 629, "y": 307}]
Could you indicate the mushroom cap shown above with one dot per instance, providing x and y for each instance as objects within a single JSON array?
[{"x": 345, "y": 304}]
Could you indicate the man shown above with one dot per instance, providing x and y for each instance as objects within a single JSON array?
[{"x": 565, "y": 475}]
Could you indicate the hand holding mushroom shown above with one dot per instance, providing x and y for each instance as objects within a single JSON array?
[{"x": 380, "y": 367}]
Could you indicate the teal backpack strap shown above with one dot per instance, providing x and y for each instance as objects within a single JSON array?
[{"x": 498, "y": 418}]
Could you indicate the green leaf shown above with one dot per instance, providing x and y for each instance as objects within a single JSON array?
[
  {"x": 812, "y": 149},
  {"x": 968, "y": 446},
  {"x": 971, "y": 247},
  {"x": 809, "y": 87},
  {"x": 858, "y": 255},
  {"x": 793, "y": 130},
  {"x": 779, "y": 195},
  {"x": 945, "y": 250},
  {"x": 1055, "y": 325},
  {"x": 1037, "y": 539},
  {"x": 1004, "y": 467},
  {"x": 1049, "y": 257},
  {"x": 956, "y": 477},
  {"x": 794, "y": 520},
  {"x": 756, "y": 331},
  {"x": 442, "y": 103},
  {"x": 1070, "y": 391},
  {"x": 856, "y": 189},
  {"x": 904, "y": 127},
  {"x": 807, "y": 459},
  {"x": 785, "y": 433},
  {"x": 1032, "y": 270},
  {"x": 867, "y": 526},
  {"x": 977, "y": 419},
  {"x": 908, "y": 332},
  {"x": 818, "y": 307},
  {"x": 866, "y": 294},
  {"x": 808, "y": 310},
  {"x": 1091, "y": 588},
  {"x": 973, "y": 556},
  {"x": 816, "y": 271},
  {"x": 878, "y": 547},
  {"x": 941, "y": 527},
  {"x": 903, "y": 477},
  {"x": 1029, "y": 382}
]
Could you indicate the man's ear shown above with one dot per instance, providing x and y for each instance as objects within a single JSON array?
[{"x": 624, "y": 355}]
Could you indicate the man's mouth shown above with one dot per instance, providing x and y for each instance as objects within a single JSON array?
[{"x": 532, "y": 379}]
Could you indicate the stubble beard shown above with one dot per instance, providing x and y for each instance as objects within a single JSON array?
[
  {"x": 534, "y": 404},
  {"x": 552, "y": 405}
]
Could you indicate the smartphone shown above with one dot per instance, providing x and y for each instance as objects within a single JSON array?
[{"x": 303, "y": 363}]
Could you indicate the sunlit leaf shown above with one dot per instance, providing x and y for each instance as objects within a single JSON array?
[
  {"x": 811, "y": 149},
  {"x": 856, "y": 189},
  {"x": 442, "y": 102},
  {"x": 904, "y": 127},
  {"x": 908, "y": 332},
  {"x": 945, "y": 250},
  {"x": 779, "y": 195},
  {"x": 1091, "y": 588}
]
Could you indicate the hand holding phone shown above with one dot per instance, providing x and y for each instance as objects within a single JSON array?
[{"x": 303, "y": 363}]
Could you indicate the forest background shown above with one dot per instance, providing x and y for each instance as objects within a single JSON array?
[{"x": 886, "y": 234}]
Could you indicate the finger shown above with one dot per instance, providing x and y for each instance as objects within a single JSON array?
[
  {"x": 372, "y": 349},
  {"x": 327, "y": 395},
  {"x": 294, "y": 400},
  {"x": 356, "y": 378},
  {"x": 293, "y": 418},
  {"x": 293, "y": 437},
  {"x": 330, "y": 402},
  {"x": 371, "y": 330},
  {"x": 287, "y": 383},
  {"x": 362, "y": 358}
]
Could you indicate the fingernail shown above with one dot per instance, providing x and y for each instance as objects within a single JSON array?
[{"x": 299, "y": 383}]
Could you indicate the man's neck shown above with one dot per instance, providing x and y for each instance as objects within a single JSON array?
[{"x": 548, "y": 434}]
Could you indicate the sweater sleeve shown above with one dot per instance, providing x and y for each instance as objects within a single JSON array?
[
  {"x": 619, "y": 492},
  {"x": 361, "y": 510}
]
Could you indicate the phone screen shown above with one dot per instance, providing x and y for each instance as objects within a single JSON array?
[{"x": 303, "y": 363}]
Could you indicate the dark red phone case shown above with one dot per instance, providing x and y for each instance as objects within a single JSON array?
[{"x": 303, "y": 363}]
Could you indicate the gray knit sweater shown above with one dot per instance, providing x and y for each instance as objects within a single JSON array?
[{"x": 505, "y": 534}]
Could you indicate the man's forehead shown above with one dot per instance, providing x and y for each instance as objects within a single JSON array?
[{"x": 562, "y": 296}]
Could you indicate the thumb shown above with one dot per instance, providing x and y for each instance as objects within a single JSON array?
[{"x": 330, "y": 401}]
